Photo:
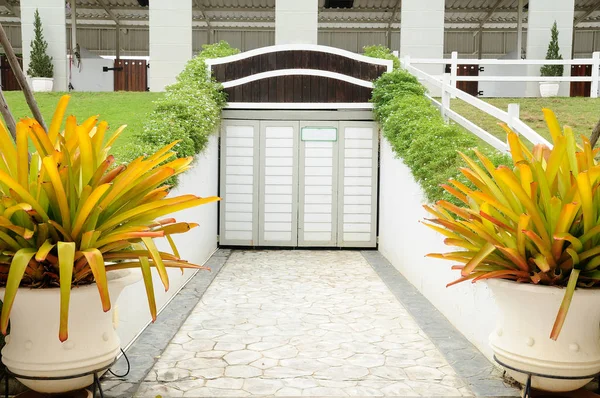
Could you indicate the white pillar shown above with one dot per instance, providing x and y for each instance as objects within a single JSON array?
[
  {"x": 296, "y": 21},
  {"x": 541, "y": 17},
  {"x": 422, "y": 32},
  {"x": 170, "y": 41},
  {"x": 52, "y": 14}
]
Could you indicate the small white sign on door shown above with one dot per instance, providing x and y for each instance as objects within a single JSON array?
[{"x": 319, "y": 134}]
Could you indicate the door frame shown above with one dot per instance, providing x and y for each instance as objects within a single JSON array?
[
  {"x": 302, "y": 184},
  {"x": 263, "y": 124},
  {"x": 326, "y": 118},
  {"x": 223, "y": 183},
  {"x": 374, "y": 183}
]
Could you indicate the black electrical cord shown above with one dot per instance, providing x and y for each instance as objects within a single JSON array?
[{"x": 128, "y": 366}]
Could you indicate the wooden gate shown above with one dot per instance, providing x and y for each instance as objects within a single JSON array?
[
  {"x": 9, "y": 81},
  {"x": 131, "y": 75},
  {"x": 294, "y": 174},
  {"x": 471, "y": 88},
  {"x": 581, "y": 89}
]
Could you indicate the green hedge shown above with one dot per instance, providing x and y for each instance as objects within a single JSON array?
[
  {"x": 417, "y": 132},
  {"x": 190, "y": 109}
]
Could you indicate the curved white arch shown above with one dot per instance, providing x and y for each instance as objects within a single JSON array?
[
  {"x": 300, "y": 47},
  {"x": 298, "y": 72}
]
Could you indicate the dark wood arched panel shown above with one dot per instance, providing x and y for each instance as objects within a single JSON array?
[
  {"x": 299, "y": 89},
  {"x": 297, "y": 59},
  {"x": 298, "y": 73}
]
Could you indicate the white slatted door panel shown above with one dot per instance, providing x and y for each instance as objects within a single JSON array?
[
  {"x": 358, "y": 161},
  {"x": 278, "y": 209},
  {"x": 239, "y": 183},
  {"x": 318, "y": 176}
]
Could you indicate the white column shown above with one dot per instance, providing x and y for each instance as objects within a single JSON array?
[
  {"x": 52, "y": 14},
  {"x": 296, "y": 21},
  {"x": 541, "y": 17},
  {"x": 422, "y": 32},
  {"x": 170, "y": 41}
]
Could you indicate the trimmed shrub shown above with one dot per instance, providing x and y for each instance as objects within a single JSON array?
[
  {"x": 419, "y": 135},
  {"x": 379, "y": 51},
  {"x": 189, "y": 111},
  {"x": 554, "y": 54},
  {"x": 40, "y": 64}
]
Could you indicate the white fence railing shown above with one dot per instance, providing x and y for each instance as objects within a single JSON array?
[
  {"x": 454, "y": 62},
  {"x": 449, "y": 90}
]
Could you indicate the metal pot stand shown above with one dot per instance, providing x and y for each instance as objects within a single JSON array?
[
  {"x": 96, "y": 385},
  {"x": 527, "y": 387}
]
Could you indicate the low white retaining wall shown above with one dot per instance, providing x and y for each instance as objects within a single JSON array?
[
  {"x": 195, "y": 246},
  {"x": 404, "y": 241}
]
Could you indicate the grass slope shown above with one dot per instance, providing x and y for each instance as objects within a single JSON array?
[
  {"x": 117, "y": 109},
  {"x": 579, "y": 113}
]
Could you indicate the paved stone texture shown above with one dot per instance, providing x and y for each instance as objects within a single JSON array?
[
  {"x": 155, "y": 338},
  {"x": 483, "y": 377},
  {"x": 292, "y": 323}
]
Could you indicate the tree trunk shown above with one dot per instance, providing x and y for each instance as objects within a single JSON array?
[
  {"x": 8, "y": 117},
  {"x": 16, "y": 68},
  {"x": 595, "y": 134}
]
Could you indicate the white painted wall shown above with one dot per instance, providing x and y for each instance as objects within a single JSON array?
[
  {"x": 504, "y": 89},
  {"x": 404, "y": 241},
  {"x": 422, "y": 33},
  {"x": 52, "y": 14},
  {"x": 89, "y": 76},
  {"x": 296, "y": 21},
  {"x": 541, "y": 17},
  {"x": 170, "y": 41},
  {"x": 195, "y": 246}
]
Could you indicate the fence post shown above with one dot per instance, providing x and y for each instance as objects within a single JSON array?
[
  {"x": 513, "y": 114},
  {"x": 595, "y": 74},
  {"x": 453, "y": 69},
  {"x": 445, "y": 96},
  {"x": 406, "y": 61}
]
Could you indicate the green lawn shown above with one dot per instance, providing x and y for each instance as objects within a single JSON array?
[
  {"x": 117, "y": 109},
  {"x": 579, "y": 113}
]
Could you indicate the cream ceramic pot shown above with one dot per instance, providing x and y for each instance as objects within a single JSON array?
[
  {"x": 549, "y": 89},
  {"x": 522, "y": 335},
  {"x": 33, "y": 348},
  {"x": 42, "y": 84}
]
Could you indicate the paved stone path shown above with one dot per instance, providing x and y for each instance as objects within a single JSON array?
[{"x": 291, "y": 323}]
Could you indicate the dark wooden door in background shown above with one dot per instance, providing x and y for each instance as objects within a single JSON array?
[
  {"x": 131, "y": 75},
  {"x": 581, "y": 89},
  {"x": 471, "y": 88},
  {"x": 9, "y": 81}
]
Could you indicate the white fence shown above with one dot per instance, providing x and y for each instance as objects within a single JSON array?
[
  {"x": 449, "y": 90},
  {"x": 447, "y": 84},
  {"x": 454, "y": 62}
]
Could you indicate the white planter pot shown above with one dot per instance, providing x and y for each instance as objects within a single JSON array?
[
  {"x": 33, "y": 348},
  {"x": 42, "y": 84},
  {"x": 549, "y": 89},
  {"x": 522, "y": 336}
]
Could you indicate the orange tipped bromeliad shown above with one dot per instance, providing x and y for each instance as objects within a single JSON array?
[
  {"x": 67, "y": 218},
  {"x": 536, "y": 222}
]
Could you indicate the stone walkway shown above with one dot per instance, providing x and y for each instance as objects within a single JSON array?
[{"x": 291, "y": 323}]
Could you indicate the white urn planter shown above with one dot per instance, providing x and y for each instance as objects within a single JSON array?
[
  {"x": 42, "y": 84},
  {"x": 522, "y": 336},
  {"x": 33, "y": 348},
  {"x": 549, "y": 89}
]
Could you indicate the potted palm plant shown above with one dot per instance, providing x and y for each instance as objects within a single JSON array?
[
  {"x": 40, "y": 69},
  {"x": 533, "y": 232},
  {"x": 550, "y": 88},
  {"x": 73, "y": 226}
]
